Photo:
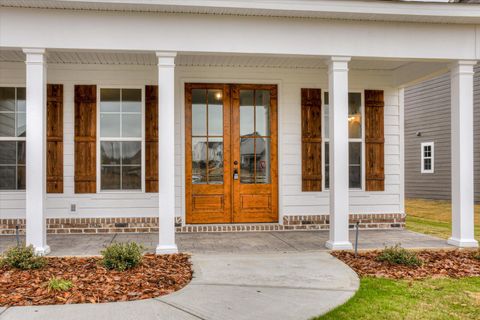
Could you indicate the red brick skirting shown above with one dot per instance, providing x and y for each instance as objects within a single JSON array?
[{"x": 136, "y": 225}]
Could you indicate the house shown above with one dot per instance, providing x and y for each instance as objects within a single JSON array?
[
  {"x": 427, "y": 132},
  {"x": 164, "y": 115}
]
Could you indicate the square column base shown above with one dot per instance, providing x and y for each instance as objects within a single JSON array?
[
  {"x": 339, "y": 245},
  {"x": 42, "y": 251},
  {"x": 166, "y": 249},
  {"x": 463, "y": 243}
]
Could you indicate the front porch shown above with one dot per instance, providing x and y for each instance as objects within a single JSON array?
[{"x": 234, "y": 243}]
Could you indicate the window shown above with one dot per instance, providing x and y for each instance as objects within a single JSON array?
[
  {"x": 12, "y": 138},
  {"x": 427, "y": 157},
  {"x": 121, "y": 139},
  {"x": 355, "y": 137}
]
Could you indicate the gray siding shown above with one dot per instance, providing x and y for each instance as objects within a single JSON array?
[{"x": 427, "y": 110}]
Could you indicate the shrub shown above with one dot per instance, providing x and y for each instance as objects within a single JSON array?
[
  {"x": 397, "y": 255},
  {"x": 476, "y": 254},
  {"x": 58, "y": 284},
  {"x": 122, "y": 256},
  {"x": 23, "y": 258}
]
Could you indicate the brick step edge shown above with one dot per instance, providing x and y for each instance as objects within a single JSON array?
[{"x": 150, "y": 224}]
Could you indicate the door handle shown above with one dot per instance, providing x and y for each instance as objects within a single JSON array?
[{"x": 235, "y": 174}]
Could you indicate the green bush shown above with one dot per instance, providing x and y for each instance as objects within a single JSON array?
[
  {"x": 58, "y": 284},
  {"x": 397, "y": 255},
  {"x": 23, "y": 258},
  {"x": 476, "y": 254},
  {"x": 122, "y": 256}
]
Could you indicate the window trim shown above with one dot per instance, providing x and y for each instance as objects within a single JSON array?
[
  {"x": 362, "y": 140},
  {"x": 16, "y": 139},
  {"x": 431, "y": 144},
  {"x": 99, "y": 139}
]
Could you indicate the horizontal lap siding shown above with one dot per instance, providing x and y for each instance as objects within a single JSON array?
[
  {"x": 427, "y": 109},
  {"x": 292, "y": 200}
]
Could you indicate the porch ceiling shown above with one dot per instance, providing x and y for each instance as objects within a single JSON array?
[{"x": 149, "y": 59}]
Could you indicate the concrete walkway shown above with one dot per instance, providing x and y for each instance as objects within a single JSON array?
[{"x": 293, "y": 285}]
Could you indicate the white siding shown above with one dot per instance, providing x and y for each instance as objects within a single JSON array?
[{"x": 292, "y": 200}]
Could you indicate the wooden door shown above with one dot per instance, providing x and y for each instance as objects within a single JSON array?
[
  {"x": 254, "y": 144},
  {"x": 231, "y": 169}
]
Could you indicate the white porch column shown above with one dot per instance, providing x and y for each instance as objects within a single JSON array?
[
  {"x": 338, "y": 146},
  {"x": 461, "y": 74},
  {"x": 36, "y": 150},
  {"x": 166, "y": 153}
]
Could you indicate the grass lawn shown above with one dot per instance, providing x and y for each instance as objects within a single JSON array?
[
  {"x": 380, "y": 298},
  {"x": 434, "y": 217}
]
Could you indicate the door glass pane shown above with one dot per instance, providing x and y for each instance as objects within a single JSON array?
[
  {"x": 215, "y": 160},
  {"x": 110, "y": 152},
  {"x": 327, "y": 166},
  {"x": 354, "y": 115},
  {"x": 247, "y": 160},
  {"x": 215, "y": 113},
  {"x": 132, "y": 125},
  {"x": 7, "y": 124},
  {"x": 247, "y": 118},
  {"x": 7, "y": 99},
  {"x": 131, "y": 100},
  {"x": 8, "y": 152},
  {"x": 131, "y": 152},
  {"x": 21, "y": 100},
  {"x": 110, "y": 178},
  {"x": 199, "y": 112},
  {"x": 326, "y": 116},
  {"x": 109, "y": 100},
  {"x": 131, "y": 177},
  {"x": 7, "y": 178},
  {"x": 262, "y": 112},
  {"x": 199, "y": 160},
  {"x": 110, "y": 125},
  {"x": 262, "y": 150}
]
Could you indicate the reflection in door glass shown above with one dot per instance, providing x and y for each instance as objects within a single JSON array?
[
  {"x": 215, "y": 113},
  {"x": 247, "y": 160},
  {"x": 262, "y": 157},
  {"x": 262, "y": 112},
  {"x": 199, "y": 112},
  {"x": 247, "y": 113},
  {"x": 199, "y": 160},
  {"x": 215, "y": 160}
]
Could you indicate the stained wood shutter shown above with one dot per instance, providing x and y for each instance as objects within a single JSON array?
[
  {"x": 374, "y": 140},
  {"x": 151, "y": 138},
  {"x": 311, "y": 139},
  {"x": 85, "y": 138},
  {"x": 54, "y": 138}
]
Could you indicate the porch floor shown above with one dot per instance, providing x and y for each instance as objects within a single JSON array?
[{"x": 235, "y": 242}]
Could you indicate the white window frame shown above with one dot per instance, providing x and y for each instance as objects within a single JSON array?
[
  {"x": 432, "y": 157},
  {"x": 362, "y": 140},
  {"x": 100, "y": 139},
  {"x": 16, "y": 139}
]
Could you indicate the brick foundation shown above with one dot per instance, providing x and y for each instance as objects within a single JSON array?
[{"x": 139, "y": 225}]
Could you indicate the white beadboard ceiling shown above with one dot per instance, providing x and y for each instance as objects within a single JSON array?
[{"x": 149, "y": 59}]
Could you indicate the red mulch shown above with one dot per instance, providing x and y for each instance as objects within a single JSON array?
[
  {"x": 92, "y": 283},
  {"x": 436, "y": 263}
]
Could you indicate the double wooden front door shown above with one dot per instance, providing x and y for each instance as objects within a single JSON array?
[{"x": 231, "y": 153}]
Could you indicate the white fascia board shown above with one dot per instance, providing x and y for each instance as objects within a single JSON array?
[
  {"x": 187, "y": 33},
  {"x": 352, "y": 10}
]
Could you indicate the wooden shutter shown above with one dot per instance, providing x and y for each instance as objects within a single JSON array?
[
  {"x": 151, "y": 138},
  {"x": 85, "y": 138},
  {"x": 311, "y": 139},
  {"x": 54, "y": 138},
  {"x": 374, "y": 140}
]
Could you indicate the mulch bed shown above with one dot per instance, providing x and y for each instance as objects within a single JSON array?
[
  {"x": 436, "y": 263},
  {"x": 92, "y": 283}
]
